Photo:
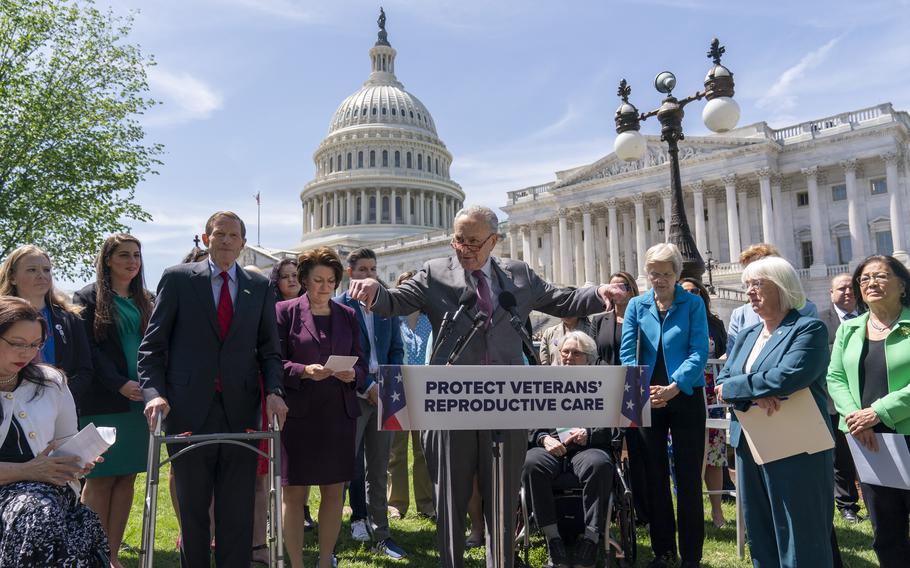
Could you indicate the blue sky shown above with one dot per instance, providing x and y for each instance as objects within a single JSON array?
[{"x": 518, "y": 89}]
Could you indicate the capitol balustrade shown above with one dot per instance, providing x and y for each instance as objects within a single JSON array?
[
  {"x": 529, "y": 192},
  {"x": 371, "y": 172},
  {"x": 832, "y": 124}
]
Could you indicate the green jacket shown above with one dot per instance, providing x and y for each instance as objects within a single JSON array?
[{"x": 843, "y": 372}]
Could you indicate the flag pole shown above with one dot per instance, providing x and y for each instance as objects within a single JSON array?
[{"x": 258, "y": 219}]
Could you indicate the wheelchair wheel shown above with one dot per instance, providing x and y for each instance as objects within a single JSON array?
[{"x": 626, "y": 552}]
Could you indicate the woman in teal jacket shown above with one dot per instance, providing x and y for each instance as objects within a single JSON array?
[
  {"x": 869, "y": 382},
  {"x": 667, "y": 330},
  {"x": 788, "y": 503}
]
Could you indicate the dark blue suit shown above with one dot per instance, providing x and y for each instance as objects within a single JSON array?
[
  {"x": 789, "y": 503},
  {"x": 368, "y": 493}
]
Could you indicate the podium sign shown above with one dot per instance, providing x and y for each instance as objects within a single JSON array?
[{"x": 512, "y": 397}]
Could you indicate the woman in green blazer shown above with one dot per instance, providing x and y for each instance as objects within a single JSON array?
[{"x": 869, "y": 382}]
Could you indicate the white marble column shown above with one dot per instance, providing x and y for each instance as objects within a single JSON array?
[
  {"x": 713, "y": 237},
  {"x": 579, "y": 251},
  {"x": 767, "y": 213},
  {"x": 364, "y": 207},
  {"x": 627, "y": 238},
  {"x": 745, "y": 225},
  {"x": 525, "y": 244},
  {"x": 378, "y": 206},
  {"x": 393, "y": 217},
  {"x": 352, "y": 207},
  {"x": 783, "y": 237},
  {"x": 546, "y": 254},
  {"x": 565, "y": 252},
  {"x": 435, "y": 215},
  {"x": 667, "y": 197},
  {"x": 513, "y": 241},
  {"x": 895, "y": 207},
  {"x": 407, "y": 208},
  {"x": 815, "y": 218},
  {"x": 613, "y": 227},
  {"x": 535, "y": 265},
  {"x": 590, "y": 237},
  {"x": 640, "y": 241},
  {"x": 555, "y": 245},
  {"x": 601, "y": 249},
  {"x": 305, "y": 227},
  {"x": 856, "y": 217},
  {"x": 732, "y": 217},
  {"x": 654, "y": 235},
  {"x": 698, "y": 207},
  {"x": 420, "y": 208}
]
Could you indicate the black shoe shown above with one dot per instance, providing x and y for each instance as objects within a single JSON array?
[
  {"x": 665, "y": 560},
  {"x": 585, "y": 554},
  {"x": 850, "y": 516},
  {"x": 308, "y": 523},
  {"x": 690, "y": 564},
  {"x": 558, "y": 556}
]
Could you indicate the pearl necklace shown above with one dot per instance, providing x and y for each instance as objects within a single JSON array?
[{"x": 8, "y": 381}]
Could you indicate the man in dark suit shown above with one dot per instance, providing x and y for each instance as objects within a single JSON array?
[
  {"x": 380, "y": 338},
  {"x": 457, "y": 455},
  {"x": 846, "y": 497},
  {"x": 211, "y": 334}
]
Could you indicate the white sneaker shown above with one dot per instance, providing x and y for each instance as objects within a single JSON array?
[{"x": 359, "y": 531}]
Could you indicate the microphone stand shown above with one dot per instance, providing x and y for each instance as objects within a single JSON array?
[
  {"x": 464, "y": 340},
  {"x": 444, "y": 329}
]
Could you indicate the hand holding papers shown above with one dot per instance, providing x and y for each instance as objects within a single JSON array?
[
  {"x": 88, "y": 444},
  {"x": 771, "y": 437},
  {"x": 888, "y": 467},
  {"x": 566, "y": 433},
  {"x": 339, "y": 363}
]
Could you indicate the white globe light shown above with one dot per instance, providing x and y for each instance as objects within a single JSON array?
[
  {"x": 721, "y": 114},
  {"x": 630, "y": 145}
]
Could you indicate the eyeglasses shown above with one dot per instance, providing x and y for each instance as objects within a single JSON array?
[
  {"x": 750, "y": 284},
  {"x": 654, "y": 276},
  {"x": 470, "y": 247},
  {"x": 24, "y": 347},
  {"x": 867, "y": 279},
  {"x": 574, "y": 353}
]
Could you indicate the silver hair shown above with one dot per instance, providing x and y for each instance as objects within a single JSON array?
[
  {"x": 480, "y": 212},
  {"x": 783, "y": 275},
  {"x": 584, "y": 342},
  {"x": 665, "y": 252}
]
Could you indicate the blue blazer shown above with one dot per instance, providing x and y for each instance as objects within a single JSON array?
[
  {"x": 795, "y": 357},
  {"x": 684, "y": 335},
  {"x": 387, "y": 337}
]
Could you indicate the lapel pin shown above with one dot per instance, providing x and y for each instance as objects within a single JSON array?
[{"x": 246, "y": 290}]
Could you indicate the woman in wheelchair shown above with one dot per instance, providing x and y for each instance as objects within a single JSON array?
[{"x": 581, "y": 456}]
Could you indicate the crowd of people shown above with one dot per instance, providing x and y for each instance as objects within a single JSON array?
[{"x": 220, "y": 348}]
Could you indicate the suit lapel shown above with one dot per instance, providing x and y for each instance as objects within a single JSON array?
[
  {"x": 350, "y": 302},
  {"x": 202, "y": 284},
  {"x": 306, "y": 316}
]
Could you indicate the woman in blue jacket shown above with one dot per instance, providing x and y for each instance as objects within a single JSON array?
[{"x": 667, "y": 330}]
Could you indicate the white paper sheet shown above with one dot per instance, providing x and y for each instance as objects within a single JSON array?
[
  {"x": 88, "y": 444},
  {"x": 338, "y": 363},
  {"x": 888, "y": 467},
  {"x": 564, "y": 433}
]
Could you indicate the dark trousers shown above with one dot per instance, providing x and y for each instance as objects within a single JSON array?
[
  {"x": 638, "y": 471},
  {"x": 846, "y": 497},
  {"x": 685, "y": 417},
  {"x": 357, "y": 490},
  {"x": 228, "y": 472},
  {"x": 594, "y": 469},
  {"x": 889, "y": 511}
]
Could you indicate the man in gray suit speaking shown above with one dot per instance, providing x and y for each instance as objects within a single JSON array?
[{"x": 453, "y": 457}]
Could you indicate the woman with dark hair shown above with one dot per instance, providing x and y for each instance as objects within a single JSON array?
[
  {"x": 716, "y": 450},
  {"x": 869, "y": 382},
  {"x": 42, "y": 522},
  {"x": 283, "y": 279},
  {"x": 317, "y": 442},
  {"x": 27, "y": 273},
  {"x": 116, "y": 311}
]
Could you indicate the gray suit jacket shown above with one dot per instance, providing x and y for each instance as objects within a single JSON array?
[
  {"x": 182, "y": 354},
  {"x": 438, "y": 286}
]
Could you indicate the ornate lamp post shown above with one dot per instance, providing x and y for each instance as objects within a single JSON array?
[
  {"x": 720, "y": 114},
  {"x": 710, "y": 265}
]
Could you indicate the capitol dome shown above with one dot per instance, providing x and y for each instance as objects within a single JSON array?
[{"x": 382, "y": 171}]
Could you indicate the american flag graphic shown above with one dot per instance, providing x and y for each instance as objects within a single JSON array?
[
  {"x": 635, "y": 394},
  {"x": 392, "y": 399}
]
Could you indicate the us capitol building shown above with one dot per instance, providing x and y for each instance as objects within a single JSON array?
[{"x": 827, "y": 192}]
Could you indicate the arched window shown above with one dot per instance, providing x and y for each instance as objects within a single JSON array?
[
  {"x": 372, "y": 158},
  {"x": 413, "y": 210},
  {"x": 437, "y": 166},
  {"x": 411, "y": 112},
  {"x": 398, "y": 207},
  {"x": 384, "y": 111},
  {"x": 374, "y": 111},
  {"x": 385, "y": 158},
  {"x": 360, "y": 159},
  {"x": 357, "y": 216},
  {"x": 350, "y": 163},
  {"x": 372, "y": 208},
  {"x": 408, "y": 160},
  {"x": 419, "y": 161},
  {"x": 331, "y": 164},
  {"x": 385, "y": 209},
  {"x": 339, "y": 162},
  {"x": 363, "y": 111},
  {"x": 393, "y": 111},
  {"x": 397, "y": 159}
]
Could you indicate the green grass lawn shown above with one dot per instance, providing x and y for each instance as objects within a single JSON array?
[{"x": 417, "y": 537}]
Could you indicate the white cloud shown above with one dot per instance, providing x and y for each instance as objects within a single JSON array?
[
  {"x": 185, "y": 98},
  {"x": 781, "y": 97}
]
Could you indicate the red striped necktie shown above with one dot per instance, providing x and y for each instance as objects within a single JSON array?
[{"x": 225, "y": 315}]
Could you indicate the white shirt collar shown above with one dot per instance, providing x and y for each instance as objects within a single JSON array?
[
  {"x": 216, "y": 272},
  {"x": 841, "y": 313}
]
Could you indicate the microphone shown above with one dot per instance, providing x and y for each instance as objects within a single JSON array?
[
  {"x": 479, "y": 319},
  {"x": 465, "y": 302},
  {"x": 508, "y": 302}
]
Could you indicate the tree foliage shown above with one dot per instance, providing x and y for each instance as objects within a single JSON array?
[{"x": 72, "y": 149}]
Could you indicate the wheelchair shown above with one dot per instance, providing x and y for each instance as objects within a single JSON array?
[{"x": 618, "y": 540}]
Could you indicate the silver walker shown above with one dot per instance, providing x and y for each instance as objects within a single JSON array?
[{"x": 275, "y": 537}]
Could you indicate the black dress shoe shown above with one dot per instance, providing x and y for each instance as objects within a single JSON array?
[
  {"x": 665, "y": 560},
  {"x": 850, "y": 516},
  {"x": 559, "y": 558},
  {"x": 690, "y": 564}
]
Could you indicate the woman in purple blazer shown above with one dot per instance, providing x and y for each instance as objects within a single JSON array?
[{"x": 317, "y": 442}]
